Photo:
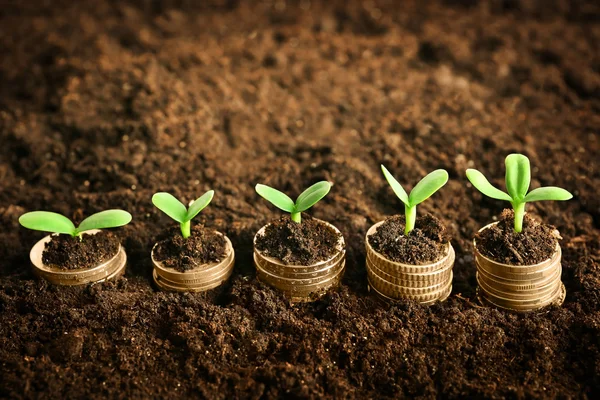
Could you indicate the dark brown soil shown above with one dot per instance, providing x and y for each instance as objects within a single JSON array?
[
  {"x": 302, "y": 243},
  {"x": 202, "y": 247},
  {"x": 426, "y": 243},
  {"x": 105, "y": 102},
  {"x": 534, "y": 244},
  {"x": 67, "y": 252}
]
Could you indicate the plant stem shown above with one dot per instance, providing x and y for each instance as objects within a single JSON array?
[
  {"x": 410, "y": 214},
  {"x": 519, "y": 214},
  {"x": 296, "y": 217},
  {"x": 185, "y": 229}
]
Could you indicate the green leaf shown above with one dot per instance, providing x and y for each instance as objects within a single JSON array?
[
  {"x": 105, "y": 219},
  {"x": 484, "y": 186},
  {"x": 168, "y": 204},
  {"x": 47, "y": 222},
  {"x": 396, "y": 187},
  {"x": 199, "y": 204},
  {"x": 275, "y": 197},
  {"x": 428, "y": 186},
  {"x": 312, "y": 195},
  {"x": 548, "y": 193},
  {"x": 518, "y": 176}
]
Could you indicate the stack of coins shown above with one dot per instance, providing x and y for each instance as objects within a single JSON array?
[
  {"x": 110, "y": 269},
  {"x": 520, "y": 288},
  {"x": 301, "y": 283},
  {"x": 199, "y": 279},
  {"x": 425, "y": 283}
]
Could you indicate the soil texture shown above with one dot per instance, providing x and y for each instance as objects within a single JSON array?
[
  {"x": 105, "y": 102},
  {"x": 204, "y": 246},
  {"x": 534, "y": 244},
  {"x": 426, "y": 243},
  {"x": 68, "y": 253},
  {"x": 305, "y": 243}
]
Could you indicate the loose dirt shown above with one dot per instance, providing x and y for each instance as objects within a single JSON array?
[
  {"x": 103, "y": 103},
  {"x": 68, "y": 253}
]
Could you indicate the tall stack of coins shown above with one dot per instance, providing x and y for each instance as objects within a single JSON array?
[
  {"x": 301, "y": 283},
  {"x": 110, "y": 269},
  {"x": 520, "y": 288},
  {"x": 425, "y": 283},
  {"x": 199, "y": 279}
]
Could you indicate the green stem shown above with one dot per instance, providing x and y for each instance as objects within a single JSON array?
[
  {"x": 185, "y": 229},
  {"x": 519, "y": 214},
  {"x": 411, "y": 216},
  {"x": 296, "y": 217}
]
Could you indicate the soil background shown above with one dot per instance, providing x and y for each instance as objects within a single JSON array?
[{"x": 103, "y": 103}]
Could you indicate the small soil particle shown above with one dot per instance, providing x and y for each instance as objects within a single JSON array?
[
  {"x": 69, "y": 253},
  {"x": 302, "y": 243},
  {"x": 203, "y": 247},
  {"x": 500, "y": 242},
  {"x": 424, "y": 244}
]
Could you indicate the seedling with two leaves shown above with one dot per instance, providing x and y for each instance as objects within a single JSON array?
[
  {"x": 175, "y": 209},
  {"x": 518, "y": 177},
  {"x": 56, "y": 223},
  {"x": 306, "y": 200},
  {"x": 421, "y": 192}
]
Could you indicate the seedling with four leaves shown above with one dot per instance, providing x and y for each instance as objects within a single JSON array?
[
  {"x": 306, "y": 200},
  {"x": 421, "y": 192},
  {"x": 175, "y": 209},
  {"x": 56, "y": 223},
  {"x": 518, "y": 177}
]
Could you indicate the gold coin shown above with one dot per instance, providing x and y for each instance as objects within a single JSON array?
[
  {"x": 79, "y": 276},
  {"x": 492, "y": 265},
  {"x": 512, "y": 285},
  {"x": 412, "y": 280},
  {"x": 557, "y": 300},
  {"x": 524, "y": 277},
  {"x": 202, "y": 272},
  {"x": 442, "y": 296},
  {"x": 391, "y": 292},
  {"x": 520, "y": 295},
  {"x": 387, "y": 287},
  {"x": 515, "y": 304},
  {"x": 296, "y": 286},
  {"x": 174, "y": 287},
  {"x": 308, "y": 279},
  {"x": 277, "y": 268},
  {"x": 195, "y": 283}
]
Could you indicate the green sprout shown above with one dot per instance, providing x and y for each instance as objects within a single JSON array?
[
  {"x": 518, "y": 176},
  {"x": 421, "y": 192},
  {"x": 306, "y": 200},
  {"x": 56, "y": 223},
  {"x": 175, "y": 209}
]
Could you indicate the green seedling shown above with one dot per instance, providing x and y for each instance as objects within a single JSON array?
[
  {"x": 175, "y": 209},
  {"x": 56, "y": 223},
  {"x": 421, "y": 192},
  {"x": 518, "y": 177},
  {"x": 306, "y": 200}
]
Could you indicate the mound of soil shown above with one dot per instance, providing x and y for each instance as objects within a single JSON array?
[
  {"x": 204, "y": 246},
  {"x": 426, "y": 243},
  {"x": 104, "y": 102},
  {"x": 69, "y": 253},
  {"x": 534, "y": 244},
  {"x": 302, "y": 243}
]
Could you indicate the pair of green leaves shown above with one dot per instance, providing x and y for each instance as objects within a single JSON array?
[
  {"x": 175, "y": 209},
  {"x": 306, "y": 200},
  {"x": 56, "y": 223},
  {"x": 517, "y": 180},
  {"x": 421, "y": 192}
]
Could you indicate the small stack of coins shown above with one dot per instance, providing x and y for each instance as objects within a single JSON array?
[
  {"x": 520, "y": 288},
  {"x": 107, "y": 270},
  {"x": 199, "y": 279},
  {"x": 301, "y": 283},
  {"x": 391, "y": 281}
]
